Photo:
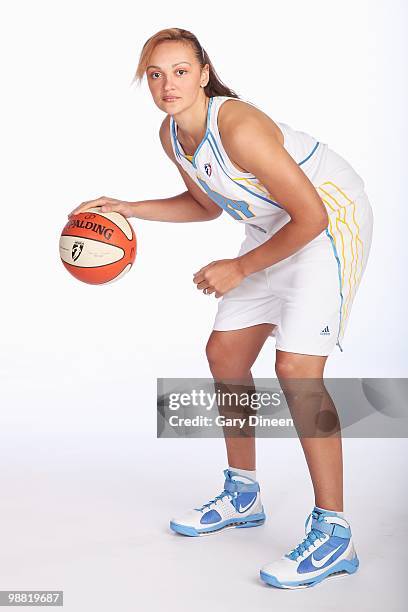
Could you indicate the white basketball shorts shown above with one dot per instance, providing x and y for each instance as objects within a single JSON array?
[{"x": 309, "y": 295}]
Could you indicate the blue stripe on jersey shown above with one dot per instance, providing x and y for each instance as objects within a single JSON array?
[
  {"x": 173, "y": 129},
  {"x": 219, "y": 153},
  {"x": 310, "y": 154},
  {"x": 207, "y": 132},
  {"x": 340, "y": 283},
  {"x": 238, "y": 184}
]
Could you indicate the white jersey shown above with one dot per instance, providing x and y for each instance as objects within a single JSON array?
[
  {"x": 307, "y": 296},
  {"x": 241, "y": 194}
]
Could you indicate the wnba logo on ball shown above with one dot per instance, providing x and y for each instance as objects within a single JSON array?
[
  {"x": 76, "y": 250},
  {"x": 207, "y": 168}
]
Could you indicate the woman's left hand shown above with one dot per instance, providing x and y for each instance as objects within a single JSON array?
[{"x": 219, "y": 276}]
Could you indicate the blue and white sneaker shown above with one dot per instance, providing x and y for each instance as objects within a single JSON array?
[
  {"x": 326, "y": 551},
  {"x": 239, "y": 505}
]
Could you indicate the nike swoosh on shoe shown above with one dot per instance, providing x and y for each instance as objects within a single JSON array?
[
  {"x": 244, "y": 508},
  {"x": 318, "y": 563}
]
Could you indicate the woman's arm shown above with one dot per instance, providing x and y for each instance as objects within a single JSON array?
[
  {"x": 191, "y": 205},
  {"x": 250, "y": 140},
  {"x": 181, "y": 208}
]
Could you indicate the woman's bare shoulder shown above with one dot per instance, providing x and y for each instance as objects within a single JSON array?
[
  {"x": 234, "y": 111},
  {"x": 165, "y": 130},
  {"x": 165, "y": 138},
  {"x": 165, "y": 126}
]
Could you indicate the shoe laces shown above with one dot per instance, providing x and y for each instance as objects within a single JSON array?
[
  {"x": 311, "y": 537},
  {"x": 214, "y": 501}
]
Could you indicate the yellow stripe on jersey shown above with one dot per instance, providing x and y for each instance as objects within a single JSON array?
[
  {"x": 342, "y": 222},
  {"x": 257, "y": 185},
  {"x": 343, "y": 266},
  {"x": 350, "y": 204}
]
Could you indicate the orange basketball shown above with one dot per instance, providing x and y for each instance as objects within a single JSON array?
[{"x": 97, "y": 247}]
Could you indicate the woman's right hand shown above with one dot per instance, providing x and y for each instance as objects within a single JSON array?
[{"x": 107, "y": 205}]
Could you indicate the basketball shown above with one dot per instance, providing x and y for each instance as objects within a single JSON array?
[{"x": 96, "y": 247}]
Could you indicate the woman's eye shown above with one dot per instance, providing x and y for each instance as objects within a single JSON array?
[{"x": 152, "y": 74}]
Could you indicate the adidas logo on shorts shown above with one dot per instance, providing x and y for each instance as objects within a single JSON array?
[{"x": 325, "y": 331}]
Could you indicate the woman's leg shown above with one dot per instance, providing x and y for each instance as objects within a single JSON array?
[
  {"x": 306, "y": 402},
  {"x": 328, "y": 548},
  {"x": 231, "y": 355}
]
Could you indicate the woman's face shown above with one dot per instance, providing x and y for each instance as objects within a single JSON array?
[{"x": 173, "y": 72}]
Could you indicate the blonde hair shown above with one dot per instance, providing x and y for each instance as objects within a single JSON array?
[{"x": 214, "y": 87}]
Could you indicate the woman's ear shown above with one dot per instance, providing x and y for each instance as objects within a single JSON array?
[{"x": 205, "y": 75}]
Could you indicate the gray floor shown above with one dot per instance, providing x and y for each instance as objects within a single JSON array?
[{"x": 89, "y": 515}]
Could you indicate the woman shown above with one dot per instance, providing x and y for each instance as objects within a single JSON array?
[{"x": 308, "y": 225}]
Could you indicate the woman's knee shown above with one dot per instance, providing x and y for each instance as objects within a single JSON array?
[
  {"x": 285, "y": 368},
  {"x": 223, "y": 360},
  {"x": 295, "y": 365}
]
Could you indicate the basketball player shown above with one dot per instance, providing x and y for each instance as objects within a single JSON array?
[{"x": 308, "y": 229}]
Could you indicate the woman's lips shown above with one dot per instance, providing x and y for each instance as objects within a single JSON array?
[{"x": 170, "y": 99}]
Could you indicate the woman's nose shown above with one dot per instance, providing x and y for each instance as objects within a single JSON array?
[{"x": 168, "y": 84}]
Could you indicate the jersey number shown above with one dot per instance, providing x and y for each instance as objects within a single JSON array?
[{"x": 238, "y": 209}]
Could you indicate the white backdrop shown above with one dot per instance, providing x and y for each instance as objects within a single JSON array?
[
  {"x": 74, "y": 129},
  {"x": 81, "y": 358}
]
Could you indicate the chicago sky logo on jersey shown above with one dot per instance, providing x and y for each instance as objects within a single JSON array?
[{"x": 208, "y": 169}]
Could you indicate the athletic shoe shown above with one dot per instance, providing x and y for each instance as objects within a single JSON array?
[
  {"x": 326, "y": 551},
  {"x": 239, "y": 505}
]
